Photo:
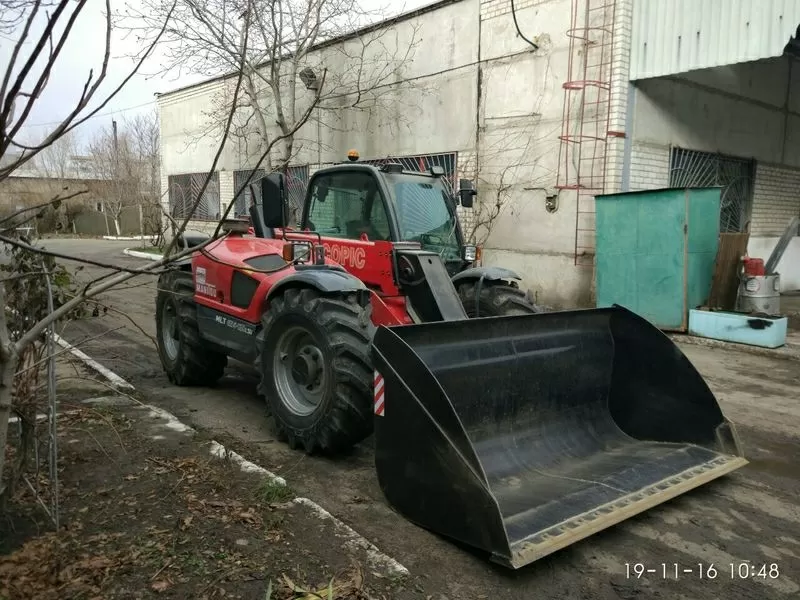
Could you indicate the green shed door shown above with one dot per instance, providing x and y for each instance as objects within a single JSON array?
[
  {"x": 703, "y": 243},
  {"x": 641, "y": 254}
]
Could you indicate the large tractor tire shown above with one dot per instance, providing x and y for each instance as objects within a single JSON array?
[
  {"x": 316, "y": 373},
  {"x": 496, "y": 299},
  {"x": 186, "y": 360}
]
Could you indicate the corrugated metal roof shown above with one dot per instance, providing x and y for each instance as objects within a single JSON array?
[{"x": 674, "y": 36}]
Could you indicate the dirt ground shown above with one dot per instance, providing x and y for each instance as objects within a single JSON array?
[
  {"x": 751, "y": 515},
  {"x": 147, "y": 511}
]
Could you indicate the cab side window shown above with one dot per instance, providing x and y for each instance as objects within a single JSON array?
[{"x": 346, "y": 205}]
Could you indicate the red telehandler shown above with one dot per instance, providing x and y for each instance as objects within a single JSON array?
[{"x": 512, "y": 430}]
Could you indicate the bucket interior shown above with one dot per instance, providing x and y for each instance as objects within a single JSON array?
[{"x": 567, "y": 412}]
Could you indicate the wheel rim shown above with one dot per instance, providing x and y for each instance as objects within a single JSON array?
[
  {"x": 169, "y": 331},
  {"x": 300, "y": 372}
]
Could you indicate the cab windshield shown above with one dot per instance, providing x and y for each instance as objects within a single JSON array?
[{"x": 425, "y": 215}]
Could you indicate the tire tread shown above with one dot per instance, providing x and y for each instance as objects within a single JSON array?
[
  {"x": 196, "y": 365},
  {"x": 348, "y": 418}
]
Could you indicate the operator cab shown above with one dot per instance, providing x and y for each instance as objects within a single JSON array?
[{"x": 386, "y": 202}]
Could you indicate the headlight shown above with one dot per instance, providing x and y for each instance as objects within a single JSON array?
[
  {"x": 469, "y": 253},
  {"x": 297, "y": 251}
]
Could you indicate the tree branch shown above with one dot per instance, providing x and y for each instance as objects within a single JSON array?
[
  {"x": 69, "y": 122},
  {"x": 87, "y": 261},
  {"x": 12, "y": 61}
]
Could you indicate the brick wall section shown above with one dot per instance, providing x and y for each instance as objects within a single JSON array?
[
  {"x": 496, "y": 8},
  {"x": 164, "y": 189},
  {"x": 776, "y": 199},
  {"x": 618, "y": 105},
  {"x": 467, "y": 167},
  {"x": 649, "y": 167},
  {"x": 226, "y": 190}
]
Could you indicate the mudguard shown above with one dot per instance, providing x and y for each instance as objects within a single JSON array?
[
  {"x": 326, "y": 278},
  {"x": 521, "y": 435},
  {"x": 488, "y": 274}
]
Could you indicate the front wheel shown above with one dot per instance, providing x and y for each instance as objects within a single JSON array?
[
  {"x": 496, "y": 299},
  {"x": 184, "y": 356},
  {"x": 316, "y": 374}
]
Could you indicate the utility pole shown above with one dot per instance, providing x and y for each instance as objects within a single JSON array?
[
  {"x": 117, "y": 189},
  {"x": 116, "y": 147}
]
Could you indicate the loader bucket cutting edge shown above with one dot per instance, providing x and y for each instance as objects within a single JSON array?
[{"x": 521, "y": 435}]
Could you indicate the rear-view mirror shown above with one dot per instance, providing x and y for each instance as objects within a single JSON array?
[
  {"x": 466, "y": 192},
  {"x": 273, "y": 201}
]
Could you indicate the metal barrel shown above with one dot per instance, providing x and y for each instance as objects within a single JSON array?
[
  {"x": 521, "y": 435},
  {"x": 760, "y": 293}
]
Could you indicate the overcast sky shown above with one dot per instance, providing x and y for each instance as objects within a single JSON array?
[{"x": 84, "y": 51}]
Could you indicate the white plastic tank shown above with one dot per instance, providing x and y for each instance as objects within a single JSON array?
[{"x": 760, "y": 294}]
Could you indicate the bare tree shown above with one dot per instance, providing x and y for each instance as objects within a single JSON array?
[
  {"x": 31, "y": 331},
  {"x": 114, "y": 160},
  {"x": 37, "y": 31},
  {"x": 56, "y": 160},
  {"x": 284, "y": 65},
  {"x": 143, "y": 132},
  {"x": 126, "y": 156}
]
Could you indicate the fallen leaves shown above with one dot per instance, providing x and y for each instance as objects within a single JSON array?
[
  {"x": 347, "y": 586},
  {"x": 165, "y": 525},
  {"x": 53, "y": 566}
]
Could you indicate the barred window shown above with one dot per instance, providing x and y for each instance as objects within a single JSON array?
[
  {"x": 692, "y": 168},
  {"x": 296, "y": 180},
  {"x": 242, "y": 201},
  {"x": 184, "y": 190},
  {"x": 423, "y": 162}
]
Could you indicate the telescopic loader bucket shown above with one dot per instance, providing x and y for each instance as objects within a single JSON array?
[{"x": 521, "y": 435}]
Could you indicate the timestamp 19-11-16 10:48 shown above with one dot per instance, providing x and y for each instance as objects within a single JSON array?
[{"x": 734, "y": 570}]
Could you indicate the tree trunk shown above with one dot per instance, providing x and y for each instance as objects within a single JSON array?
[
  {"x": 261, "y": 122},
  {"x": 116, "y": 226},
  {"x": 8, "y": 359}
]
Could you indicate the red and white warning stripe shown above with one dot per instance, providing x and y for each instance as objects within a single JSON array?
[{"x": 378, "y": 394}]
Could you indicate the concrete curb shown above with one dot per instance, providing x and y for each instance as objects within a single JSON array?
[
  {"x": 789, "y": 351},
  {"x": 125, "y": 238},
  {"x": 145, "y": 255},
  {"x": 116, "y": 381},
  {"x": 351, "y": 538}
]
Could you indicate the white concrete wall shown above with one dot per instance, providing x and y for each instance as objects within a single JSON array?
[
  {"x": 186, "y": 144},
  {"x": 521, "y": 116},
  {"x": 750, "y": 110}
]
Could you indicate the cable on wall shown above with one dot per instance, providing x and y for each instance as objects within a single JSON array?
[{"x": 522, "y": 35}]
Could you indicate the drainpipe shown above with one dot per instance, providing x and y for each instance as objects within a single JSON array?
[{"x": 626, "y": 155}]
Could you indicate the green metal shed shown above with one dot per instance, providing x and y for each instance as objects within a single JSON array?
[{"x": 655, "y": 251}]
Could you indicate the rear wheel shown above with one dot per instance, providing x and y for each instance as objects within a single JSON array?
[
  {"x": 316, "y": 375},
  {"x": 496, "y": 299},
  {"x": 183, "y": 355}
]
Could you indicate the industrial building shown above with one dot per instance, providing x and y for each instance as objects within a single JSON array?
[{"x": 547, "y": 103}]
